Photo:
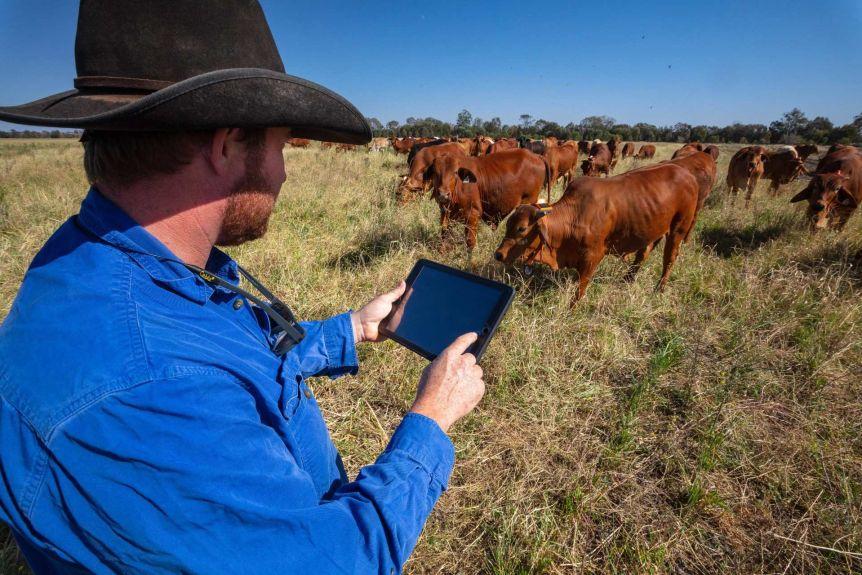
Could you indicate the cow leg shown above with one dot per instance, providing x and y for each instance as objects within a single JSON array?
[
  {"x": 444, "y": 229},
  {"x": 640, "y": 256},
  {"x": 470, "y": 230},
  {"x": 671, "y": 250},
  {"x": 773, "y": 188},
  {"x": 586, "y": 269}
]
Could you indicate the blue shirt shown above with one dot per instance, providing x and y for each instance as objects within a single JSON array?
[{"x": 146, "y": 427}]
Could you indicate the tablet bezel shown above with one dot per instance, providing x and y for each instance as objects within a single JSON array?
[{"x": 507, "y": 294}]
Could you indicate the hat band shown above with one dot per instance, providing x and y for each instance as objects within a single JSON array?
[{"x": 120, "y": 82}]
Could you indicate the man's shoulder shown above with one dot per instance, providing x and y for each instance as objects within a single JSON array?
[{"x": 71, "y": 335}]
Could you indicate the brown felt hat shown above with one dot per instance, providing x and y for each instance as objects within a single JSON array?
[{"x": 169, "y": 65}]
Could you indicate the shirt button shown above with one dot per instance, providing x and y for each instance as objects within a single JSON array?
[
  {"x": 307, "y": 393},
  {"x": 237, "y": 303}
]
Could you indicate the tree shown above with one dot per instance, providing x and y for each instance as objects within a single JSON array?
[
  {"x": 526, "y": 121},
  {"x": 375, "y": 124},
  {"x": 392, "y": 126},
  {"x": 857, "y": 122},
  {"x": 493, "y": 127},
  {"x": 463, "y": 123},
  {"x": 681, "y": 132}
]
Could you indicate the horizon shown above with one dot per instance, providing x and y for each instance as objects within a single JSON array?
[{"x": 660, "y": 65}]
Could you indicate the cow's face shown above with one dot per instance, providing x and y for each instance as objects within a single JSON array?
[
  {"x": 447, "y": 177},
  {"x": 753, "y": 160},
  {"x": 826, "y": 196},
  {"x": 523, "y": 234},
  {"x": 589, "y": 168}
]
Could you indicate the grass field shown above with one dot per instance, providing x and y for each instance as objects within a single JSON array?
[{"x": 714, "y": 428}]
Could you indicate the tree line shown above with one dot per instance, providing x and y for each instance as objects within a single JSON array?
[
  {"x": 39, "y": 134},
  {"x": 794, "y": 127}
]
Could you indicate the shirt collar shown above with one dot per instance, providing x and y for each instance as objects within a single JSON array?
[{"x": 107, "y": 221}]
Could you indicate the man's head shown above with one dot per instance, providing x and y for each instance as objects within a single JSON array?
[{"x": 235, "y": 173}]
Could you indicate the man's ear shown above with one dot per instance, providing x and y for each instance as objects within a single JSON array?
[
  {"x": 466, "y": 176},
  {"x": 803, "y": 195},
  {"x": 227, "y": 150}
]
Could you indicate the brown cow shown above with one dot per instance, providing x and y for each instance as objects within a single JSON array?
[
  {"x": 483, "y": 144},
  {"x": 379, "y": 144},
  {"x": 712, "y": 150},
  {"x": 598, "y": 162},
  {"x": 689, "y": 148},
  {"x": 584, "y": 147},
  {"x": 468, "y": 145},
  {"x": 615, "y": 148},
  {"x": 628, "y": 150},
  {"x": 402, "y": 145},
  {"x": 298, "y": 142},
  {"x": 485, "y": 188},
  {"x": 782, "y": 166},
  {"x": 646, "y": 152},
  {"x": 503, "y": 144},
  {"x": 550, "y": 141},
  {"x": 562, "y": 161},
  {"x": 620, "y": 215},
  {"x": 418, "y": 179},
  {"x": 844, "y": 149},
  {"x": 805, "y": 150},
  {"x": 420, "y": 145},
  {"x": 835, "y": 191},
  {"x": 745, "y": 170},
  {"x": 345, "y": 147},
  {"x": 702, "y": 166}
]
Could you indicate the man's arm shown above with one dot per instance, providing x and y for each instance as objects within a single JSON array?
[{"x": 181, "y": 476}]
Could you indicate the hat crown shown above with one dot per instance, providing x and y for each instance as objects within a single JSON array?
[{"x": 147, "y": 44}]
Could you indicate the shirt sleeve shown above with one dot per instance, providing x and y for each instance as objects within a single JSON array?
[
  {"x": 182, "y": 476},
  {"x": 328, "y": 348}
]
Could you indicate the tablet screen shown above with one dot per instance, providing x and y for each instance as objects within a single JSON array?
[{"x": 441, "y": 304}]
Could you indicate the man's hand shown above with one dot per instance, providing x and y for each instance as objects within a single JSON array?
[
  {"x": 367, "y": 320},
  {"x": 452, "y": 385}
]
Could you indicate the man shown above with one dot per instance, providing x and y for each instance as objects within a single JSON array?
[{"x": 154, "y": 414}]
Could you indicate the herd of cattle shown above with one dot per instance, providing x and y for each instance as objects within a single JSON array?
[{"x": 481, "y": 179}]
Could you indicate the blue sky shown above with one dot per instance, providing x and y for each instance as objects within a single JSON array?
[{"x": 660, "y": 62}]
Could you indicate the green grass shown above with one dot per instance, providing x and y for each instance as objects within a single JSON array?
[{"x": 716, "y": 427}]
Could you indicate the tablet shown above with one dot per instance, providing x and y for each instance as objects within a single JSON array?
[{"x": 442, "y": 303}]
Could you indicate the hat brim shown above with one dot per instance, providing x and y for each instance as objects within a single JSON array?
[{"x": 236, "y": 97}]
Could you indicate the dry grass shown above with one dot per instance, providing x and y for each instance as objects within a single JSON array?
[{"x": 714, "y": 428}]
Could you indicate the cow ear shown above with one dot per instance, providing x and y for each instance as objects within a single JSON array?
[
  {"x": 845, "y": 198},
  {"x": 466, "y": 176},
  {"x": 803, "y": 195},
  {"x": 543, "y": 211}
]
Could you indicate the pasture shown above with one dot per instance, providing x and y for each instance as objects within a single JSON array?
[{"x": 716, "y": 427}]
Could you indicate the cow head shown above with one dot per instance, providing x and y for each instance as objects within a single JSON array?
[
  {"x": 526, "y": 235},
  {"x": 712, "y": 151},
  {"x": 448, "y": 177},
  {"x": 588, "y": 167},
  {"x": 753, "y": 159},
  {"x": 827, "y": 198}
]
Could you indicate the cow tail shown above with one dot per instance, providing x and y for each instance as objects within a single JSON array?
[{"x": 548, "y": 181}]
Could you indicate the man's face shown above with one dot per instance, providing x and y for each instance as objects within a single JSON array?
[{"x": 253, "y": 196}]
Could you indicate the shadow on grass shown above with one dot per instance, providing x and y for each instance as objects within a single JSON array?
[
  {"x": 842, "y": 258},
  {"x": 727, "y": 242},
  {"x": 379, "y": 243}
]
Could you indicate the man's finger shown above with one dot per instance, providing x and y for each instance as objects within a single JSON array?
[
  {"x": 395, "y": 293},
  {"x": 460, "y": 345}
]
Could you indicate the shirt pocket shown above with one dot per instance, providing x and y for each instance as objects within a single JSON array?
[{"x": 307, "y": 432}]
